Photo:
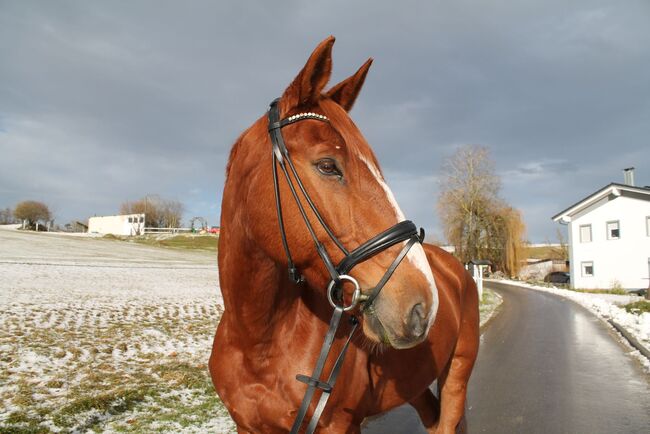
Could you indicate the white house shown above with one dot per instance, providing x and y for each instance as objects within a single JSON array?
[
  {"x": 128, "y": 224},
  {"x": 609, "y": 237}
]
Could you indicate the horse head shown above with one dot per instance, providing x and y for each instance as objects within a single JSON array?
[{"x": 341, "y": 174}]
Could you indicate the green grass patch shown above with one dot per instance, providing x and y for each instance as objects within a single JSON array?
[
  {"x": 182, "y": 374},
  {"x": 185, "y": 242},
  {"x": 616, "y": 291},
  {"x": 488, "y": 304},
  {"x": 544, "y": 252},
  {"x": 169, "y": 410},
  {"x": 116, "y": 402},
  {"x": 22, "y": 423},
  {"x": 638, "y": 307}
]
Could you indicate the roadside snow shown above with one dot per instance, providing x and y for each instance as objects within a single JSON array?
[
  {"x": 606, "y": 306},
  {"x": 489, "y": 305}
]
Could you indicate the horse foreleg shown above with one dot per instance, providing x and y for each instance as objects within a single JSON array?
[
  {"x": 428, "y": 408},
  {"x": 453, "y": 392}
]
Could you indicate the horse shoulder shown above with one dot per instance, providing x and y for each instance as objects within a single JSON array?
[
  {"x": 457, "y": 296},
  {"x": 452, "y": 279}
]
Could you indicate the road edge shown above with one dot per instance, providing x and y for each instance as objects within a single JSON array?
[
  {"x": 631, "y": 339},
  {"x": 639, "y": 351}
]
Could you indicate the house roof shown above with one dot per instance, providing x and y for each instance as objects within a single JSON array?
[{"x": 613, "y": 188}]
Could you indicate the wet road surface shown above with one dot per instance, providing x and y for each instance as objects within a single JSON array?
[{"x": 546, "y": 365}]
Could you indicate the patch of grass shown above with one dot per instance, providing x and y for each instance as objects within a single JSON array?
[
  {"x": 198, "y": 242},
  {"x": 638, "y": 307},
  {"x": 54, "y": 384},
  {"x": 184, "y": 242},
  {"x": 544, "y": 252},
  {"x": 616, "y": 291},
  {"x": 24, "y": 395},
  {"x": 173, "y": 409},
  {"x": 113, "y": 403},
  {"x": 23, "y": 423},
  {"x": 488, "y": 304},
  {"x": 182, "y": 374}
]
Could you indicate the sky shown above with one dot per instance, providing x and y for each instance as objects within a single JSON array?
[{"x": 103, "y": 102}]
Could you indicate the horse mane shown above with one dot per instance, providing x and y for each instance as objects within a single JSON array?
[
  {"x": 233, "y": 153},
  {"x": 234, "y": 150}
]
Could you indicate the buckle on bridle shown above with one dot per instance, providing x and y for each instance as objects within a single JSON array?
[
  {"x": 356, "y": 294},
  {"x": 295, "y": 275}
]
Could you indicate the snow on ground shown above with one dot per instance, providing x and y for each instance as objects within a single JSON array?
[
  {"x": 101, "y": 335},
  {"x": 607, "y": 306},
  {"x": 489, "y": 305}
]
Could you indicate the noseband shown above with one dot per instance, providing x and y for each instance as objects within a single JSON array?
[{"x": 402, "y": 231}]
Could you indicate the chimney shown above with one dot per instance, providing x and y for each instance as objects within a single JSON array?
[{"x": 629, "y": 176}]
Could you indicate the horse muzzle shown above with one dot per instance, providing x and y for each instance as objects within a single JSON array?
[{"x": 397, "y": 328}]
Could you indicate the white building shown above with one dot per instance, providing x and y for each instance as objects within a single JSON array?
[
  {"x": 609, "y": 237},
  {"x": 129, "y": 224}
]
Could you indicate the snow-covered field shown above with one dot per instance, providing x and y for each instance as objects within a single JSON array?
[
  {"x": 105, "y": 336},
  {"x": 607, "y": 306}
]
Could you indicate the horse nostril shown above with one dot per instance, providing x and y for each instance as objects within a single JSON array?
[{"x": 417, "y": 321}]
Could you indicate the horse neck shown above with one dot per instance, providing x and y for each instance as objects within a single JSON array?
[
  {"x": 251, "y": 284},
  {"x": 258, "y": 296}
]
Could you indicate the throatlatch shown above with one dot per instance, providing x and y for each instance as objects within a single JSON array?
[{"x": 402, "y": 231}]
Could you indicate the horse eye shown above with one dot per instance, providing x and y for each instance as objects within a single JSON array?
[{"x": 327, "y": 166}]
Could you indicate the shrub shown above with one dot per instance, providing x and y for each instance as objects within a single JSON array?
[{"x": 638, "y": 307}]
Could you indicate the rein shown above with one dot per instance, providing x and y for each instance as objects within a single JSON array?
[{"x": 402, "y": 231}]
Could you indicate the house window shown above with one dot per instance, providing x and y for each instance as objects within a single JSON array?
[
  {"x": 130, "y": 219},
  {"x": 647, "y": 226},
  {"x": 585, "y": 233},
  {"x": 141, "y": 219},
  {"x": 613, "y": 230},
  {"x": 587, "y": 269}
]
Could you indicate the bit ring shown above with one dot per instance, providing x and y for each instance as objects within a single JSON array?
[{"x": 356, "y": 294}]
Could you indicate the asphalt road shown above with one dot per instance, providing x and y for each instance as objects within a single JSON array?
[{"x": 546, "y": 365}]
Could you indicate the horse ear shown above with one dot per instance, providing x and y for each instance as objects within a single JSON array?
[
  {"x": 306, "y": 88},
  {"x": 345, "y": 93}
]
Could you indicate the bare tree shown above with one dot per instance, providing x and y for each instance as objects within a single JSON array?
[
  {"x": 562, "y": 251},
  {"x": 6, "y": 216},
  {"x": 33, "y": 212},
  {"x": 475, "y": 219},
  {"x": 468, "y": 188},
  {"x": 172, "y": 212},
  {"x": 160, "y": 213}
]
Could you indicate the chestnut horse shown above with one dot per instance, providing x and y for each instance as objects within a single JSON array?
[{"x": 423, "y": 326}]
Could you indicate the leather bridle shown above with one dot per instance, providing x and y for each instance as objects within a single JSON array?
[{"x": 402, "y": 231}]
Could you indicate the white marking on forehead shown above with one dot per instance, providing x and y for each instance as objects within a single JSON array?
[
  {"x": 416, "y": 255},
  {"x": 389, "y": 194}
]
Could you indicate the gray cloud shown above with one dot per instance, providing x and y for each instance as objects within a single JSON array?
[{"x": 103, "y": 102}]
